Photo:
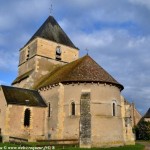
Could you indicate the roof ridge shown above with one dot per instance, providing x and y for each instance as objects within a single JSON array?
[{"x": 18, "y": 88}]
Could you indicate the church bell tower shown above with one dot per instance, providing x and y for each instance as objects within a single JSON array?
[{"x": 47, "y": 49}]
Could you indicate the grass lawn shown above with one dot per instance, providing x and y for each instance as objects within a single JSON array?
[
  {"x": 131, "y": 147},
  {"x": 5, "y": 146},
  {"x": 142, "y": 141}
]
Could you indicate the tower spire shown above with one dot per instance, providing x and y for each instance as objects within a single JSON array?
[
  {"x": 51, "y": 8},
  {"x": 87, "y": 51}
]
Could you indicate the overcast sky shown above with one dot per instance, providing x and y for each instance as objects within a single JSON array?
[{"x": 116, "y": 32}]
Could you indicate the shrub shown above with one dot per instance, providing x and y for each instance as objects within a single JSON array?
[{"x": 142, "y": 130}]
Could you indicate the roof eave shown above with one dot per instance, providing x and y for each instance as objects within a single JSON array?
[{"x": 121, "y": 87}]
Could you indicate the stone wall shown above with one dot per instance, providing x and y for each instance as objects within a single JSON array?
[
  {"x": 15, "y": 122},
  {"x": 38, "y": 58},
  {"x": 136, "y": 116},
  {"x": 47, "y": 48},
  {"x": 26, "y": 58},
  {"x": 106, "y": 129},
  {"x": 51, "y": 96},
  {"x": 147, "y": 119},
  {"x": 3, "y": 108},
  {"x": 129, "y": 137}
]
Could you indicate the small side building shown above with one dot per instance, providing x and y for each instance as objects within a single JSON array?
[{"x": 22, "y": 113}]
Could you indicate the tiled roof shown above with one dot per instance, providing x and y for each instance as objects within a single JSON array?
[
  {"x": 51, "y": 30},
  {"x": 84, "y": 69},
  {"x": 147, "y": 115},
  {"x": 19, "y": 96}
]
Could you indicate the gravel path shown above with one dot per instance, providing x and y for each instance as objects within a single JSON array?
[{"x": 147, "y": 145}]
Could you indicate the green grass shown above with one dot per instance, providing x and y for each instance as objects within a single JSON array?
[
  {"x": 131, "y": 147},
  {"x": 141, "y": 141},
  {"x": 7, "y": 144},
  {"x": 128, "y": 147}
]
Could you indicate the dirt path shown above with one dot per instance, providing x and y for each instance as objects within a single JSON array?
[{"x": 147, "y": 145}]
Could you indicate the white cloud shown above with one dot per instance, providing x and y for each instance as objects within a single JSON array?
[
  {"x": 115, "y": 32},
  {"x": 94, "y": 40},
  {"x": 8, "y": 60},
  {"x": 6, "y": 22},
  {"x": 145, "y": 3},
  {"x": 124, "y": 56}
]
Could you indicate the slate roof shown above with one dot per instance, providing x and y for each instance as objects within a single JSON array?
[
  {"x": 51, "y": 30},
  {"x": 84, "y": 69},
  {"x": 19, "y": 96},
  {"x": 147, "y": 115}
]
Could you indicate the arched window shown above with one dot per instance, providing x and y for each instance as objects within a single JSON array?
[
  {"x": 27, "y": 116},
  {"x": 114, "y": 109},
  {"x": 58, "y": 53},
  {"x": 73, "y": 111},
  {"x": 49, "y": 109}
]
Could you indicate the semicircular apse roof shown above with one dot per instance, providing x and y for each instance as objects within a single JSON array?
[{"x": 84, "y": 69}]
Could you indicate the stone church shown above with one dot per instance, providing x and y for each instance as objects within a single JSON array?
[{"x": 58, "y": 95}]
